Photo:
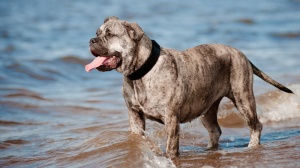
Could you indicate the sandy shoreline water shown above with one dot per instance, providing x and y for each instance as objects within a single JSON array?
[{"x": 54, "y": 114}]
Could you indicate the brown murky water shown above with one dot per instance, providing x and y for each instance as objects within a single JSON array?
[{"x": 54, "y": 114}]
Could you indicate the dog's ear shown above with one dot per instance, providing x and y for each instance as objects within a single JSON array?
[
  {"x": 112, "y": 17},
  {"x": 134, "y": 31}
]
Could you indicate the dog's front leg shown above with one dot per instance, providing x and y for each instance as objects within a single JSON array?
[
  {"x": 172, "y": 128},
  {"x": 137, "y": 122},
  {"x": 135, "y": 114}
]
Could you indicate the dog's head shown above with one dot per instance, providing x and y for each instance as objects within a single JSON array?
[{"x": 115, "y": 45}]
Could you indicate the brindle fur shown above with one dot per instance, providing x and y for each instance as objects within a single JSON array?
[{"x": 182, "y": 85}]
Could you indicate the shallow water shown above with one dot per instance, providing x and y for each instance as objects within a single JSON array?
[{"x": 54, "y": 114}]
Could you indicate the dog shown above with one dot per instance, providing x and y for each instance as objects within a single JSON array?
[{"x": 173, "y": 87}]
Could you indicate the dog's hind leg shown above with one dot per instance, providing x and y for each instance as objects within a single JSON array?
[
  {"x": 243, "y": 97},
  {"x": 246, "y": 106},
  {"x": 210, "y": 122}
]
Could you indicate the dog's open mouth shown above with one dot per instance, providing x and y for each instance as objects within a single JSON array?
[{"x": 103, "y": 63}]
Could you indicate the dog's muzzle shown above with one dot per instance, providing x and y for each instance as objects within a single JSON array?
[{"x": 104, "y": 60}]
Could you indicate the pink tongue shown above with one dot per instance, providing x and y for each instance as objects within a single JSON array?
[{"x": 97, "y": 62}]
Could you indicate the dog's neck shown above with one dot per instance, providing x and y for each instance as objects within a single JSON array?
[{"x": 145, "y": 60}]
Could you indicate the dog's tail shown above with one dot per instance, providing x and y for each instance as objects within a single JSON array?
[{"x": 268, "y": 79}]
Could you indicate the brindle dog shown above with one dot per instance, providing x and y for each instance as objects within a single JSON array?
[{"x": 174, "y": 87}]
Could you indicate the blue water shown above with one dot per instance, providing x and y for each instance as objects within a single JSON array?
[
  {"x": 53, "y": 113},
  {"x": 55, "y": 28}
]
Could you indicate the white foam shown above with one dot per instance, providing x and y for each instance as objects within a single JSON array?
[
  {"x": 279, "y": 106},
  {"x": 154, "y": 161},
  {"x": 273, "y": 106},
  {"x": 152, "y": 155}
]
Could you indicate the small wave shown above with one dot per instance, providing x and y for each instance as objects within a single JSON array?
[
  {"x": 8, "y": 123},
  {"x": 118, "y": 146},
  {"x": 13, "y": 123},
  {"x": 279, "y": 106},
  {"x": 247, "y": 21},
  {"x": 151, "y": 161},
  {"x": 23, "y": 106},
  {"x": 152, "y": 155},
  {"x": 74, "y": 59},
  {"x": 13, "y": 142},
  {"x": 274, "y": 106},
  {"x": 287, "y": 35},
  {"x": 17, "y": 93},
  {"x": 28, "y": 71},
  {"x": 33, "y": 96}
]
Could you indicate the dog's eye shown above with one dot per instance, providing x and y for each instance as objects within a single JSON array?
[{"x": 109, "y": 34}]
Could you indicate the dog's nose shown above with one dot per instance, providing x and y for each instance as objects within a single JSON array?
[{"x": 93, "y": 40}]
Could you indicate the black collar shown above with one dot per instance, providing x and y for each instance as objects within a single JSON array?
[{"x": 149, "y": 63}]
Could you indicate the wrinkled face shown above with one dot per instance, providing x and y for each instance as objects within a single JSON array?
[{"x": 114, "y": 45}]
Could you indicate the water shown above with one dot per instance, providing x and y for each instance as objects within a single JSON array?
[{"x": 54, "y": 114}]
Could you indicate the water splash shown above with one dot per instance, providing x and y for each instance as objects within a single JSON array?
[
  {"x": 279, "y": 106},
  {"x": 274, "y": 106}
]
